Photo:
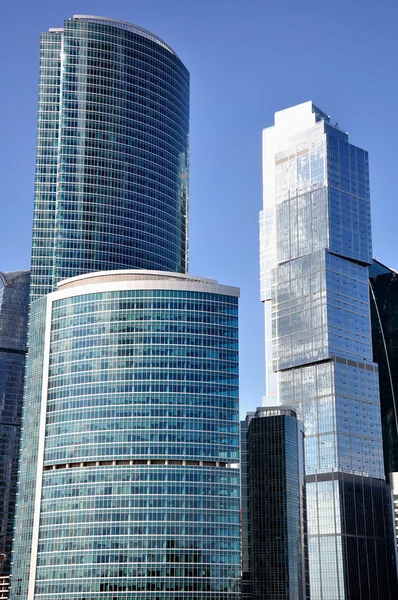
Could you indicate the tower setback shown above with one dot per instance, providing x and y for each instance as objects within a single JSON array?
[{"x": 315, "y": 251}]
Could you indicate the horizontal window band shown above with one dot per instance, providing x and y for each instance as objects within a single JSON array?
[
  {"x": 13, "y": 351},
  {"x": 344, "y": 361},
  {"x": 346, "y": 476},
  {"x": 136, "y": 462}
]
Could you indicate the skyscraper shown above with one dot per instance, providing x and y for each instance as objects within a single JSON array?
[
  {"x": 14, "y": 301},
  {"x": 274, "y": 548},
  {"x": 132, "y": 408},
  {"x": 128, "y": 486},
  {"x": 384, "y": 312},
  {"x": 315, "y": 251},
  {"x": 112, "y": 153}
]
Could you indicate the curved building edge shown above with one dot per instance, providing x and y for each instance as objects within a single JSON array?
[
  {"x": 142, "y": 279},
  {"x": 120, "y": 25}
]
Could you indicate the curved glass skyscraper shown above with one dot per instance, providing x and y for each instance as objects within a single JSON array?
[
  {"x": 132, "y": 409},
  {"x": 112, "y": 153}
]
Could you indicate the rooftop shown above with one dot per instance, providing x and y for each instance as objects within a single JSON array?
[
  {"x": 119, "y": 25},
  {"x": 139, "y": 279}
]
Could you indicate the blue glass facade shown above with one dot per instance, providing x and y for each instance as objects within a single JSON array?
[
  {"x": 274, "y": 528},
  {"x": 14, "y": 300},
  {"x": 112, "y": 153},
  {"x": 316, "y": 248},
  {"x": 130, "y": 489}
]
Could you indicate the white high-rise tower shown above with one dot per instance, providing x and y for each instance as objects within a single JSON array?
[{"x": 315, "y": 251}]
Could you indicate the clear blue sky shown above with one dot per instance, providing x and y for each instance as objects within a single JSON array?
[{"x": 247, "y": 60}]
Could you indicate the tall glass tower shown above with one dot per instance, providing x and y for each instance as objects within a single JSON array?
[
  {"x": 383, "y": 287},
  {"x": 14, "y": 303},
  {"x": 315, "y": 251},
  {"x": 112, "y": 153},
  {"x": 384, "y": 312},
  {"x": 274, "y": 529},
  {"x": 128, "y": 478}
]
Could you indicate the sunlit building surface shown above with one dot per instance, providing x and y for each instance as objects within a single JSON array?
[
  {"x": 112, "y": 153},
  {"x": 14, "y": 302},
  {"x": 132, "y": 408},
  {"x": 315, "y": 250},
  {"x": 274, "y": 544}
]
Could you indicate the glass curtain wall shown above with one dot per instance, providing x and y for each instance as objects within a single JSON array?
[
  {"x": 14, "y": 299},
  {"x": 316, "y": 196},
  {"x": 112, "y": 153},
  {"x": 136, "y": 423}
]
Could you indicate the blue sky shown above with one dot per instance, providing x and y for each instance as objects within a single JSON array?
[{"x": 247, "y": 60}]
